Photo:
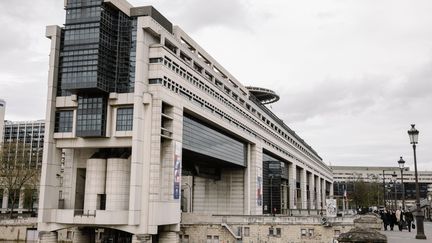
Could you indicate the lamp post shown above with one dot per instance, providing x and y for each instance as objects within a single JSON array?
[
  {"x": 413, "y": 135},
  {"x": 384, "y": 189},
  {"x": 401, "y": 163},
  {"x": 394, "y": 179}
]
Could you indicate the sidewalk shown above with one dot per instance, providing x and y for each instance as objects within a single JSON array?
[{"x": 397, "y": 236}]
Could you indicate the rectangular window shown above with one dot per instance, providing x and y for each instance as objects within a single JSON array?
[
  {"x": 63, "y": 121},
  {"x": 303, "y": 233},
  {"x": 124, "y": 119},
  {"x": 246, "y": 231}
]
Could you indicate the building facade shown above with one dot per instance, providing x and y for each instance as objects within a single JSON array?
[
  {"x": 143, "y": 124},
  {"x": 345, "y": 176},
  {"x": 22, "y": 141}
]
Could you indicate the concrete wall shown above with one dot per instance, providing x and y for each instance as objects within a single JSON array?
[
  {"x": 261, "y": 233},
  {"x": 16, "y": 229},
  {"x": 224, "y": 196}
]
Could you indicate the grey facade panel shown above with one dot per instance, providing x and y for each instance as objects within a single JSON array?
[{"x": 201, "y": 138}]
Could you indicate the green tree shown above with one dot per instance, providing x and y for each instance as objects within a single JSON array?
[{"x": 366, "y": 194}]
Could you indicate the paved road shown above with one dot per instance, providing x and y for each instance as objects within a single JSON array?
[{"x": 407, "y": 237}]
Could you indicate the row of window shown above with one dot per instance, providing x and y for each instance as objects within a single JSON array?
[
  {"x": 225, "y": 89},
  {"x": 64, "y": 119},
  {"x": 186, "y": 75}
]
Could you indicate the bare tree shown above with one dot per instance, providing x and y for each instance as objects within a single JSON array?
[{"x": 15, "y": 171}]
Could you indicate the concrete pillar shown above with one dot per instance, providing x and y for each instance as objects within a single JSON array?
[
  {"x": 323, "y": 198},
  {"x": 5, "y": 200},
  {"x": 256, "y": 180},
  {"x": 49, "y": 184},
  {"x": 318, "y": 187},
  {"x": 331, "y": 189},
  {"x": 303, "y": 183},
  {"x": 312, "y": 190},
  {"x": 21, "y": 201},
  {"x": 169, "y": 237},
  {"x": 94, "y": 184},
  {"x": 81, "y": 236},
  {"x": 292, "y": 175},
  {"x": 47, "y": 237},
  {"x": 141, "y": 239},
  {"x": 117, "y": 184}
]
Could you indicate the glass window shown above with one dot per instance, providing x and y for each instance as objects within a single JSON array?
[
  {"x": 124, "y": 119},
  {"x": 63, "y": 121}
]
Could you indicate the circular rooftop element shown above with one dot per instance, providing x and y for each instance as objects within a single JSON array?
[{"x": 265, "y": 96}]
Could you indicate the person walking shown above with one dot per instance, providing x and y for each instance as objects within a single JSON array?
[
  {"x": 392, "y": 219},
  {"x": 385, "y": 218},
  {"x": 399, "y": 220},
  {"x": 409, "y": 219}
]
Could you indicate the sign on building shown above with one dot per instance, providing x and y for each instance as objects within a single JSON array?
[{"x": 331, "y": 207}]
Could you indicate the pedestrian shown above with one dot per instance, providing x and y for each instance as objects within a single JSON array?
[
  {"x": 385, "y": 218},
  {"x": 409, "y": 219},
  {"x": 392, "y": 219},
  {"x": 399, "y": 220}
]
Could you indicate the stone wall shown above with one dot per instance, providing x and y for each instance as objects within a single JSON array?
[
  {"x": 16, "y": 229},
  {"x": 261, "y": 229}
]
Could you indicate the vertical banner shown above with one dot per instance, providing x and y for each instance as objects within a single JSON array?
[
  {"x": 177, "y": 169},
  {"x": 259, "y": 188},
  {"x": 331, "y": 207}
]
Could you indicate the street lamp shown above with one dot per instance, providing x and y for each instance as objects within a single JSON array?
[
  {"x": 384, "y": 189},
  {"x": 413, "y": 135},
  {"x": 394, "y": 179},
  {"x": 401, "y": 163}
]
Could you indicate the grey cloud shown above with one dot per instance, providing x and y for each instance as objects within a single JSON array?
[
  {"x": 24, "y": 49},
  {"x": 195, "y": 15},
  {"x": 332, "y": 96}
]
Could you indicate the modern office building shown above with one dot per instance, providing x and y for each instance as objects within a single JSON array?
[
  {"x": 142, "y": 124},
  {"x": 22, "y": 141},
  {"x": 345, "y": 176}
]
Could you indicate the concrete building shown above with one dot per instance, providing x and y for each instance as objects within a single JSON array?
[
  {"x": 344, "y": 176},
  {"x": 22, "y": 140},
  {"x": 2, "y": 116},
  {"x": 29, "y": 135},
  {"x": 142, "y": 124}
]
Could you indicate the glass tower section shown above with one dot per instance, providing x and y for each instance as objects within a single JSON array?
[{"x": 97, "y": 57}]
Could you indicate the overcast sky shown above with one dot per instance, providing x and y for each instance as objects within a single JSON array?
[{"x": 352, "y": 75}]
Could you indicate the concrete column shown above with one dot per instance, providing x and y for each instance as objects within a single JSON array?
[
  {"x": 331, "y": 189},
  {"x": 94, "y": 184},
  {"x": 49, "y": 185},
  {"x": 323, "y": 198},
  {"x": 256, "y": 180},
  {"x": 169, "y": 237},
  {"x": 5, "y": 200},
  {"x": 312, "y": 190},
  {"x": 141, "y": 239},
  {"x": 303, "y": 183},
  {"x": 81, "y": 236},
  {"x": 318, "y": 187},
  {"x": 21, "y": 201},
  {"x": 47, "y": 237},
  {"x": 117, "y": 184},
  {"x": 292, "y": 175}
]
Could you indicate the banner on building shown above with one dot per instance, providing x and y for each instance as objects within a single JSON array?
[
  {"x": 331, "y": 207},
  {"x": 259, "y": 187},
  {"x": 177, "y": 169}
]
